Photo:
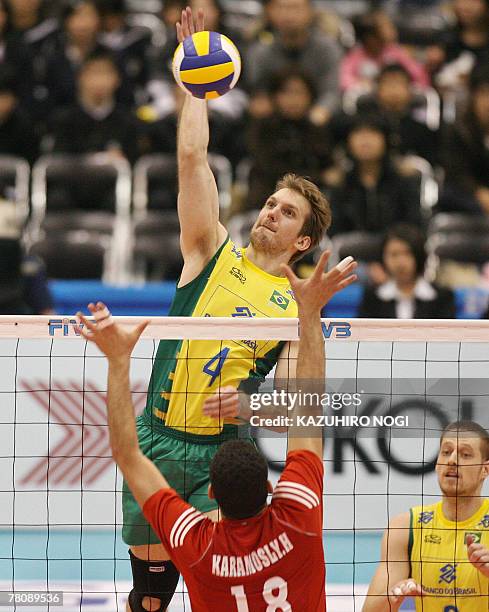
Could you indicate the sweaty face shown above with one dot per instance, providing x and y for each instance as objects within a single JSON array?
[
  {"x": 277, "y": 228},
  {"x": 399, "y": 261},
  {"x": 294, "y": 99},
  {"x": 461, "y": 468}
]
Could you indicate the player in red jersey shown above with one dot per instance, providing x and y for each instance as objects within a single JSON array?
[{"x": 258, "y": 557}]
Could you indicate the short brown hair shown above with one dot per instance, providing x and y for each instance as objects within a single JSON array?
[
  {"x": 319, "y": 219},
  {"x": 462, "y": 428}
]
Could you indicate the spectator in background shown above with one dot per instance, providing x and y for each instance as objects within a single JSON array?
[
  {"x": 131, "y": 45},
  {"x": 17, "y": 133},
  {"x": 287, "y": 140},
  {"x": 377, "y": 46},
  {"x": 36, "y": 32},
  {"x": 96, "y": 122},
  {"x": 396, "y": 100},
  {"x": 466, "y": 152},
  {"x": 373, "y": 195},
  {"x": 462, "y": 46},
  {"x": 30, "y": 20},
  {"x": 406, "y": 294},
  {"x": 77, "y": 41},
  {"x": 295, "y": 39}
]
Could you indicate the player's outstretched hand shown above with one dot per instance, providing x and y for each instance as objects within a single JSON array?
[
  {"x": 403, "y": 589},
  {"x": 223, "y": 404},
  {"x": 186, "y": 26},
  {"x": 112, "y": 339},
  {"x": 314, "y": 292},
  {"x": 478, "y": 555}
]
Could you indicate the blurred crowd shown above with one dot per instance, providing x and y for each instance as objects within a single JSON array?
[{"x": 386, "y": 107}]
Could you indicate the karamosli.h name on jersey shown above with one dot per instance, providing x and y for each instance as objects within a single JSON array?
[
  {"x": 186, "y": 372},
  {"x": 439, "y": 561}
]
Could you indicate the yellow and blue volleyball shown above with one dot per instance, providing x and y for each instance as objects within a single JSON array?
[{"x": 207, "y": 65}]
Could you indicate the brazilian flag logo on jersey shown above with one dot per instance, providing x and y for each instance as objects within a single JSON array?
[{"x": 280, "y": 300}]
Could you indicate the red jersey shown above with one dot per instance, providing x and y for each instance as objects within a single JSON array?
[{"x": 271, "y": 562}]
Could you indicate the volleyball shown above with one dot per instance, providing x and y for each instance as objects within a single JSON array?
[{"x": 206, "y": 65}]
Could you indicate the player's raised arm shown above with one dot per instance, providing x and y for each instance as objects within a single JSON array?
[
  {"x": 198, "y": 202},
  {"x": 391, "y": 583},
  {"x": 117, "y": 344},
  {"x": 311, "y": 295}
]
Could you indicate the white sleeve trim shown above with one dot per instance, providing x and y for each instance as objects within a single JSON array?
[{"x": 180, "y": 525}]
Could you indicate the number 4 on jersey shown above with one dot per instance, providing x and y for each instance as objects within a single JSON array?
[{"x": 214, "y": 366}]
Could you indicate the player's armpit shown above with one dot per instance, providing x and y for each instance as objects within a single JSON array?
[
  {"x": 393, "y": 568},
  {"x": 142, "y": 476}
]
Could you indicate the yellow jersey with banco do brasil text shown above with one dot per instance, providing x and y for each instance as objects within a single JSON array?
[{"x": 439, "y": 561}]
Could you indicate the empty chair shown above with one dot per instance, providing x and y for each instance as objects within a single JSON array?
[
  {"x": 73, "y": 255},
  {"x": 363, "y": 246},
  {"x": 156, "y": 186},
  {"x": 84, "y": 202},
  {"x": 460, "y": 247},
  {"x": 156, "y": 250},
  {"x": 14, "y": 185},
  {"x": 459, "y": 223}
]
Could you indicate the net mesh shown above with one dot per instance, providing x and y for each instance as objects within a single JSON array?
[{"x": 60, "y": 494}]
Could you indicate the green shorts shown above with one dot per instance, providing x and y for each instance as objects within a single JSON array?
[{"x": 184, "y": 464}]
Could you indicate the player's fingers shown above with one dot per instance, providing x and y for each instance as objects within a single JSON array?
[
  {"x": 138, "y": 330},
  {"x": 88, "y": 324},
  {"x": 350, "y": 268},
  {"x": 470, "y": 541},
  {"x": 321, "y": 265},
  {"x": 200, "y": 20},
  {"x": 83, "y": 332},
  {"x": 190, "y": 21},
  {"x": 347, "y": 281}
]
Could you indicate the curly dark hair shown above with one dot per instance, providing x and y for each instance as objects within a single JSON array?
[{"x": 239, "y": 475}]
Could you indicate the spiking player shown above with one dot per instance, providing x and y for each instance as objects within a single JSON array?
[
  {"x": 218, "y": 279},
  {"x": 257, "y": 557},
  {"x": 439, "y": 554}
]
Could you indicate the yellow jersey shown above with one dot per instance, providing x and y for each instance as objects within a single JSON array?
[
  {"x": 186, "y": 372},
  {"x": 439, "y": 562}
]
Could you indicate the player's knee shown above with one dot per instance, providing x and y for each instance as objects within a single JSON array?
[{"x": 154, "y": 583}]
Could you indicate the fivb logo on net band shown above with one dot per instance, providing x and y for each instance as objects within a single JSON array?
[
  {"x": 336, "y": 329},
  {"x": 64, "y": 327}
]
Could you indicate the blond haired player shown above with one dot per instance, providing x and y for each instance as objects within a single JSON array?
[
  {"x": 192, "y": 396},
  {"x": 439, "y": 554}
]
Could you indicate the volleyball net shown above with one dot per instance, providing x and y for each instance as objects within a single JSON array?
[{"x": 391, "y": 388}]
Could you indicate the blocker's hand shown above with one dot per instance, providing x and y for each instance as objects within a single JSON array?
[
  {"x": 314, "y": 292},
  {"x": 478, "y": 555},
  {"x": 403, "y": 589},
  {"x": 224, "y": 404},
  {"x": 112, "y": 339},
  {"x": 186, "y": 26}
]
